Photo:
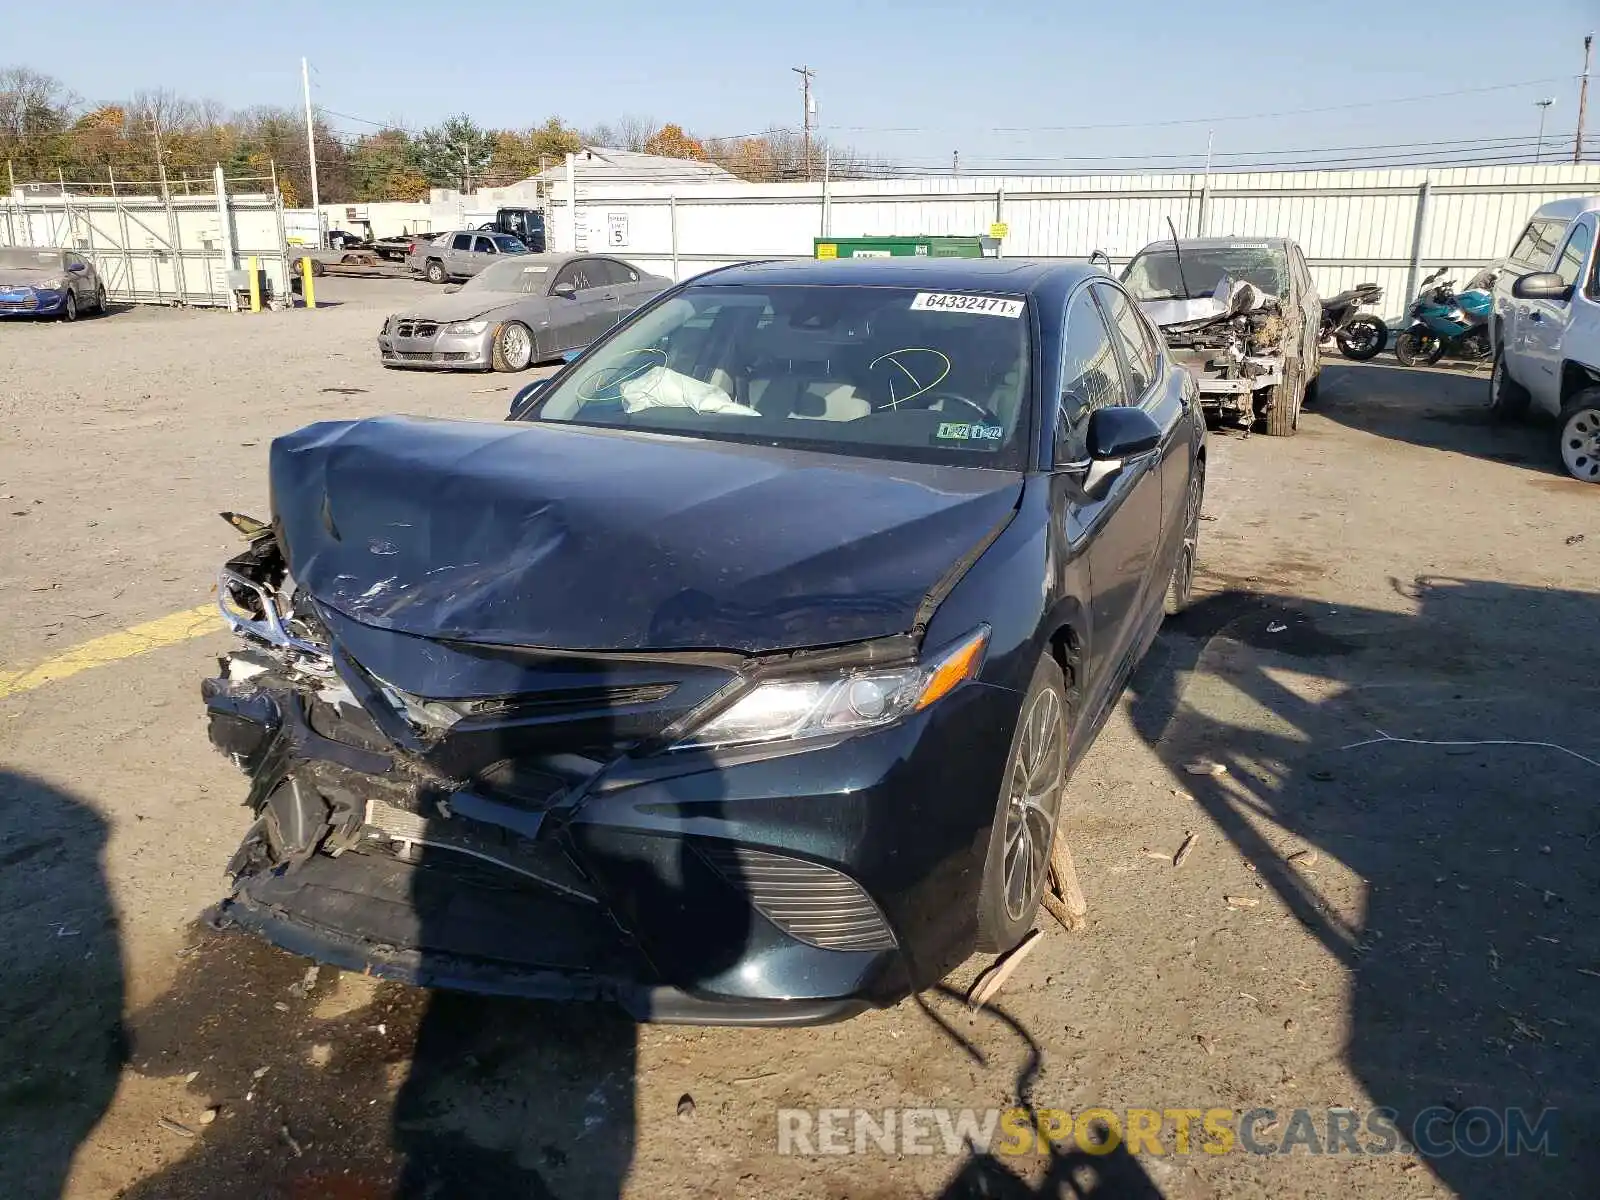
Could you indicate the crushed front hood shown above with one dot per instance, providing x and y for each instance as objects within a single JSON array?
[
  {"x": 573, "y": 538},
  {"x": 460, "y": 306}
]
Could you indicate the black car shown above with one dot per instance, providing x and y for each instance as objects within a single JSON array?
[{"x": 737, "y": 677}]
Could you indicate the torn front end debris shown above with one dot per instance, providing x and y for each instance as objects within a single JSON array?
[{"x": 1232, "y": 343}]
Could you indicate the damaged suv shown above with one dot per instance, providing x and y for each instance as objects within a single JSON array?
[
  {"x": 736, "y": 678},
  {"x": 1243, "y": 316}
]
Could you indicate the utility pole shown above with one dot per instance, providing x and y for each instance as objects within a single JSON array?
[
  {"x": 311, "y": 150},
  {"x": 1583, "y": 99},
  {"x": 806, "y": 75},
  {"x": 1544, "y": 108}
]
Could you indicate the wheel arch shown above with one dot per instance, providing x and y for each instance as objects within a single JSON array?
[{"x": 1576, "y": 377}]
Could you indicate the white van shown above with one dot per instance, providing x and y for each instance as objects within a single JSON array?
[{"x": 1545, "y": 330}]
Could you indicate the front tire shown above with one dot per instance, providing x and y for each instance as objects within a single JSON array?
[
  {"x": 1580, "y": 436},
  {"x": 1180, "y": 585},
  {"x": 1418, "y": 349},
  {"x": 1017, "y": 865},
  {"x": 69, "y": 309},
  {"x": 435, "y": 272},
  {"x": 1283, "y": 410},
  {"x": 1508, "y": 399},
  {"x": 513, "y": 347},
  {"x": 99, "y": 299},
  {"x": 1362, "y": 338}
]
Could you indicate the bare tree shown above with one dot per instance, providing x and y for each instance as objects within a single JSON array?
[{"x": 625, "y": 133}]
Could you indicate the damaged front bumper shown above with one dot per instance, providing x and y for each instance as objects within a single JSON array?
[{"x": 521, "y": 844}]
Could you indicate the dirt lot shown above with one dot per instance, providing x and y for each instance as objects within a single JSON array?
[{"x": 1400, "y": 569}]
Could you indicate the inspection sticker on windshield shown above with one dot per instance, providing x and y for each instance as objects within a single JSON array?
[
  {"x": 988, "y": 306},
  {"x": 971, "y": 431}
]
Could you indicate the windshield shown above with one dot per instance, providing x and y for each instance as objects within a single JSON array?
[
  {"x": 873, "y": 371},
  {"x": 22, "y": 256},
  {"x": 1154, "y": 274},
  {"x": 512, "y": 275}
]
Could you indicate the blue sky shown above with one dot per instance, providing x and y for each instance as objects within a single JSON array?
[{"x": 907, "y": 81}]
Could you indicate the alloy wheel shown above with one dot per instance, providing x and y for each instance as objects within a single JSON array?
[
  {"x": 516, "y": 347},
  {"x": 1031, "y": 802},
  {"x": 1580, "y": 445}
]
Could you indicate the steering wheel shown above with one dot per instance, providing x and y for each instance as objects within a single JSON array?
[{"x": 926, "y": 400}]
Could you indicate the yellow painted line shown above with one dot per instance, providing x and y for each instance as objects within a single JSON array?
[{"x": 114, "y": 647}]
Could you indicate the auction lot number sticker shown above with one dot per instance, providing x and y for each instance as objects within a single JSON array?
[{"x": 987, "y": 306}]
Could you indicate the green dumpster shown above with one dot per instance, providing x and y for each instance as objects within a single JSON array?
[{"x": 907, "y": 247}]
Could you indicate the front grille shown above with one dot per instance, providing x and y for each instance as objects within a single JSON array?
[
  {"x": 810, "y": 902},
  {"x": 422, "y": 329}
]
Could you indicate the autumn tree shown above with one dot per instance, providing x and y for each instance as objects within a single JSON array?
[{"x": 670, "y": 141}]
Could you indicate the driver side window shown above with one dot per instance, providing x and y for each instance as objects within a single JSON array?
[{"x": 1091, "y": 376}]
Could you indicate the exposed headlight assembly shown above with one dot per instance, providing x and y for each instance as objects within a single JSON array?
[
  {"x": 842, "y": 702},
  {"x": 471, "y": 328}
]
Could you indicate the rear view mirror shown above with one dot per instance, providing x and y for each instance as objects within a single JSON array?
[
  {"x": 1542, "y": 285},
  {"x": 1114, "y": 436}
]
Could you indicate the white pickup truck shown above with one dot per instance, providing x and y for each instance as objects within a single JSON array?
[{"x": 1545, "y": 330}]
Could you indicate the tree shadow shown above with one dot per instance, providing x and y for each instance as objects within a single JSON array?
[
  {"x": 1437, "y": 410},
  {"x": 1471, "y": 965},
  {"x": 61, "y": 1036}
]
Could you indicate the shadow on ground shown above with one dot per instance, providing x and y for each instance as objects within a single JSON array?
[
  {"x": 61, "y": 1037},
  {"x": 1472, "y": 966},
  {"x": 1439, "y": 410}
]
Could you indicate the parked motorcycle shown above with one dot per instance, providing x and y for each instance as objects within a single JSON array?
[
  {"x": 1358, "y": 335},
  {"x": 1444, "y": 321}
]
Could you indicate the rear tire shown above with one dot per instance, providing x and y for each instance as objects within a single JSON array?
[
  {"x": 1508, "y": 399},
  {"x": 513, "y": 347},
  {"x": 434, "y": 272},
  {"x": 1017, "y": 866},
  {"x": 1580, "y": 436},
  {"x": 1362, "y": 338},
  {"x": 1418, "y": 349}
]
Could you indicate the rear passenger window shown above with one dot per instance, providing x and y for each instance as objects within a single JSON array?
[
  {"x": 462, "y": 241},
  {"x": 1574, "y": 254},
  {"x": 1130, "y": 331}
]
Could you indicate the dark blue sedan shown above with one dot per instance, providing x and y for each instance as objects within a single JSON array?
[{"x": 738, "y": 677}]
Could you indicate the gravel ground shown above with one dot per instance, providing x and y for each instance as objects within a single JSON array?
[{"x": 1400, "y": 566}]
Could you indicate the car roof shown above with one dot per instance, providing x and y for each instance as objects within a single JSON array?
[
  {"x": 1221, "y": 243},
  {"x": 1570, "y": 208},
  {"x": 975, "y": 274}
]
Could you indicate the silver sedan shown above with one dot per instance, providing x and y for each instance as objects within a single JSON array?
[{"x": 517, "y": 312}]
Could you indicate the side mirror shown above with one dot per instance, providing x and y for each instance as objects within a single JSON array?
[
  {"x": 450, "y": 288},
  {"x": 76, "y": 268},
  {"x": 525, "y": 398},
  {"x": 1115, "y": 435},
  {"x": 567, "y": 291},
  {"x": 1543, "y": 285}
]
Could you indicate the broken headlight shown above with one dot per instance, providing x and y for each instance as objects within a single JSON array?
[{"x": 849, "y": 702}]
